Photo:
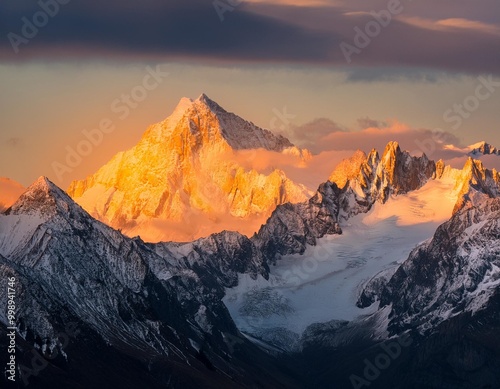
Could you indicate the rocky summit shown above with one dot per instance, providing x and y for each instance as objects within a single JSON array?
[{"x": 183, "y": 172}]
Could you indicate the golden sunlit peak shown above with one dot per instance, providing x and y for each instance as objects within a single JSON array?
[
  {"x": 203, "y": 97},
  {"x": 392, "y": 145},
  {"x": 185, "y": 173}
]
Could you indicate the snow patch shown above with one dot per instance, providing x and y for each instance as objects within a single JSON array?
[{"x": 324, "y": 283}]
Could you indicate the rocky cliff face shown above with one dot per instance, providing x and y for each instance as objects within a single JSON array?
[
  {"x": 356, "y": 184},
  {"x": 457, "y": 271},
  {"x": 293, "y": 226},
  {"x": 156, "y": 309},
  {"x": 365, "y": 180},
  {"x": 376, "y": 178},
  {"x": 151, "y": 304},
  {"x": 218, "y": 258},
  {"x": 184, "y": 169},
  {"x": 475, "y": 184}
]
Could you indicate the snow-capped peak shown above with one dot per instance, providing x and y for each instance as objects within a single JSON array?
[
  {"x": 203, "y": 98},
  {"x": 207, "y": 118},
  {"x": 42, "y": 195},
  {"x": 476, "y": 184},
  {"x": 483, "y": 148},
  {"x": 44, "y": 199},
  {"x": 477, "y": 145},
  {"x": 371, "y": 178},
  {"x": 42, "y": 183},
  {"x": 237, "y": 132},
  {"x": 207, "y": 102},
  {"x": 42, "y": 202},
  {"x": 188, "y": 167}
]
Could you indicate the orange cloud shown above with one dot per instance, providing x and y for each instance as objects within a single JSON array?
[{"x": 453, "y": 23}]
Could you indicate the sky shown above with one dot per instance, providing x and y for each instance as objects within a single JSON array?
[{"x": 329, "y": 74}]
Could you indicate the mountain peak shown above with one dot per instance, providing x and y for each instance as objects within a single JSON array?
[
  {"x": 237, "y": 132},
  {"x": 41, "y": 186},
  {"x": 473, "y": 166},
  {"x": 392, "y": 145},
  {"x": 477, "y": 183},
  {"x": 392, "y": 151},
  {"x": 373, "y": 158},
  {"x": 348, "y": 169},
  {"x": 478, "y": 144},
  {"x": 187, "y": 165},
  {"x": 368, "y": 178},
  {"x": 483, "y": 148},
  {"x": 42, "y": 183},
  {"x": 42, "y": 196},
  {"x": 212, "y": 105},
  {"x": 204, "y": 98}
]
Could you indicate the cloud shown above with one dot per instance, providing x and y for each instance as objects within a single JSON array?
[
  {"x": 306, "y": 135},
  {"x": 376, "y": 134},
  {"x": 310, "y": 171},
  {"x": 392, "y": 74},
  {"x": 297, "y": 3},
  {"x": 13, "y": 142},
  {"x": 155, "y": 28},
  {"x": 366, "y": 122},
  {"x": 333, "y": 144},
  {"x": 259, "y": 31},
  {"x": 454, "y": 23}
]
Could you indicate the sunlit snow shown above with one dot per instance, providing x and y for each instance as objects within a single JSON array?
[{"x": 324, "y": 283}]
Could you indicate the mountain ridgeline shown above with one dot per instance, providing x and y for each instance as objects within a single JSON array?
[
  {"x": 149, "y": 309},
  {"x": 356, "y": 185},
  {"x": 153, "y": 314}
]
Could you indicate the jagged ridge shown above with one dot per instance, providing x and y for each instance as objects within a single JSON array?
[{"x": 456, "y": 271}]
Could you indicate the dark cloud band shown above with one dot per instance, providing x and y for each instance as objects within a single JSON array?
[{"x": 250, "y": 32}]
